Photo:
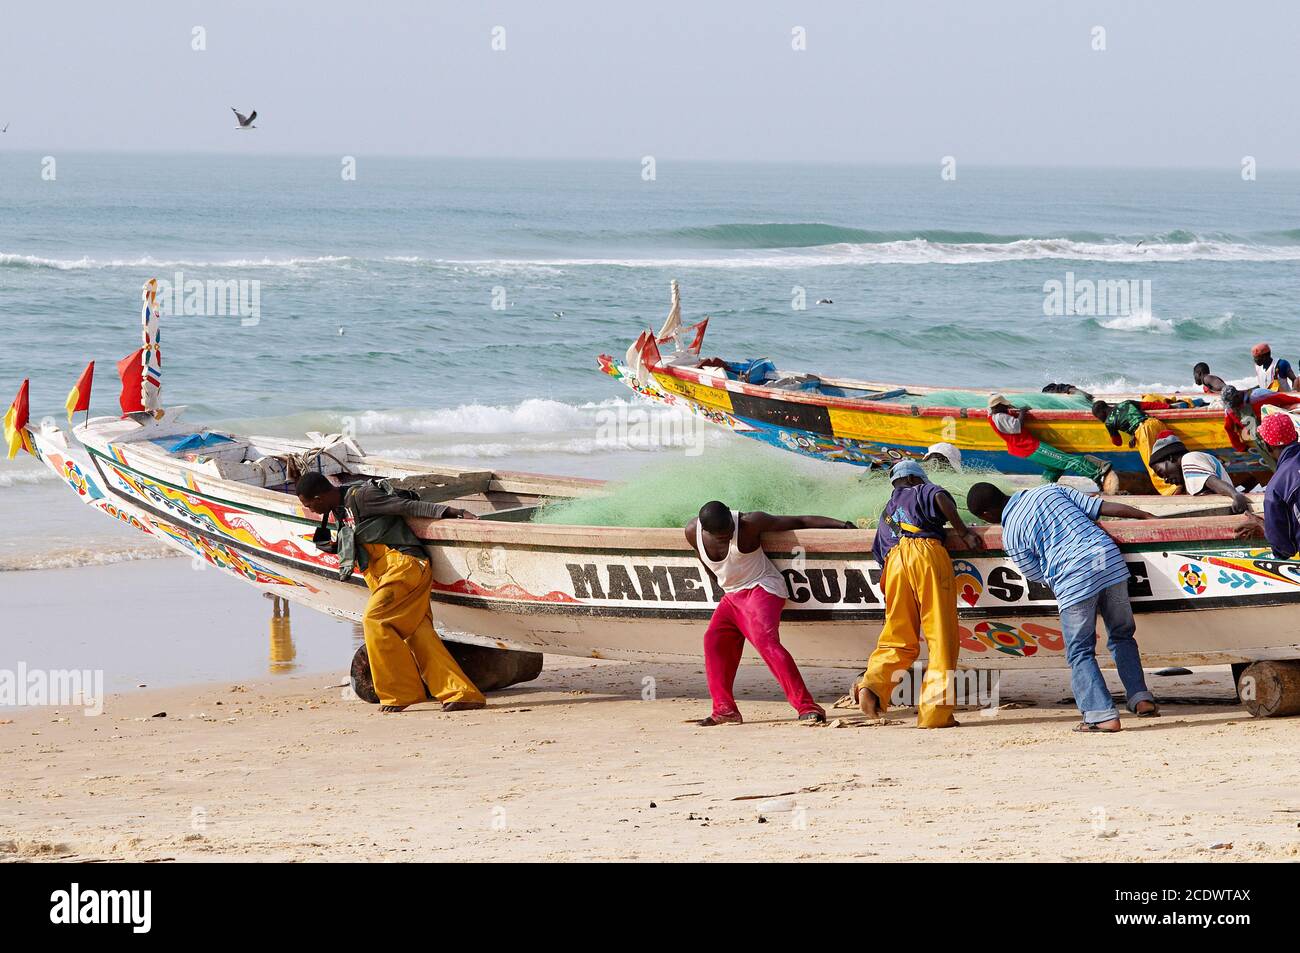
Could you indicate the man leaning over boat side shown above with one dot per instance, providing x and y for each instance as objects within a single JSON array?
[
  {"x": 920, "y": 593},
  {"x": 1243, "y": 412},
  {"x": 1130, "y": 418},
  {"x": 1008, "y": 422},
  {"x": 1052, "y": 536},
  {"x": 729, "y": 545},
  {"x": 406, "y": 655}
]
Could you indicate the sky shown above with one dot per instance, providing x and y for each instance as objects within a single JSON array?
[{"x": 1004, "y": 82}]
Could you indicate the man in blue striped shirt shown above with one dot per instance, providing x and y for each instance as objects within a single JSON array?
[{"x": 1050, "y": 532}]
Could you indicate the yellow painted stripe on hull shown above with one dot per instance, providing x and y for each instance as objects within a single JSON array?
[
  {"x": 1073, "y": 436},
  {"x": 709, "y": 396}
]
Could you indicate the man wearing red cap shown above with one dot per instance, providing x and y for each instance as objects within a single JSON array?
[
  {"x": 1281, "y": 525},
  {"x": 1271, "y": 374}
]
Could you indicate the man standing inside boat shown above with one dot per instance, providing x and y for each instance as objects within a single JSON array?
[
  {"x": 728, "y": 542},
  {"x": 406, "y": 655},
  {"x": 1274, "y": 375},
  {"x": 1052, "y": 536},
  {"x": 920, "y": 593},
  {"x": 1008, "y": 422}
]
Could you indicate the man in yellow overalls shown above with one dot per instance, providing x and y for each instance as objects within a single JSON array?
[
  {"x": 917, "y": 580},
  {"x": 406, "y": 655}
]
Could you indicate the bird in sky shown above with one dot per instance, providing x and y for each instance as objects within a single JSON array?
[{"x": 245, "y": 122}]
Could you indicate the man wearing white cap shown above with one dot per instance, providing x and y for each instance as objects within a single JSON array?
[
  {"x": 943, "y": 456},
  {"x": 917, "y": 580}
]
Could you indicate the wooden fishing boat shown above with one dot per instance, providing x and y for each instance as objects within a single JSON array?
[
  {"x": 869, "y": 423},
  {"x": 225, "y": 500},
  {"x": 1203, "y": 596}
]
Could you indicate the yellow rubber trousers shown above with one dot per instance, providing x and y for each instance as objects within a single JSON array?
[
  {"x": 1145, "y": 435},
  {"x": 919, "y": 593},
  {"x": 405, "y": 652}
]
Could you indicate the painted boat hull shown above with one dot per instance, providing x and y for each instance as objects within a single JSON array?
[
  {"x": 877, "y": 433},
  {"x": 1200, "y": 596}
]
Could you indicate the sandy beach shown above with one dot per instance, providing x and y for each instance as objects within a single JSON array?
[{"x": 578, "y": 766}]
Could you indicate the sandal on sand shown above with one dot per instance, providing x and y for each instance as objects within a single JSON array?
[
  {"x": 1152, "y": 712},
  {"x": 1087, "y": 728},
  {"x": 713, "y": 720},
  {"x": 815, "y": 716},
  {"x": 391, "y": 709}
]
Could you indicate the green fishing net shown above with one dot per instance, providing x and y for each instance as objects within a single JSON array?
[
  {"x": 962, "y": 398},
  {"x": 673, "y": 487}
]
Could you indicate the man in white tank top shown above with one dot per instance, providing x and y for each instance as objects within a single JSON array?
[{"x": 754, "y": 592}]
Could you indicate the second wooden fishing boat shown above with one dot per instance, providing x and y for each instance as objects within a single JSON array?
[{"x": 873, "y": 424}]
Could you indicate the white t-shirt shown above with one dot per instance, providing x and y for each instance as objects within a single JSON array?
[{"x": 1198, "y": 467}]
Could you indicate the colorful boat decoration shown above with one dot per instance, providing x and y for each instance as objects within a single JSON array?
[
  {"x": 226, "y": 500},
  {"x": 874, "y": 424},
  {"x": 1202, "y": 596}
]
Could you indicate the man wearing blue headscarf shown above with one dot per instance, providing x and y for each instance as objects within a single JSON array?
[{"x": 917, "y": 580}]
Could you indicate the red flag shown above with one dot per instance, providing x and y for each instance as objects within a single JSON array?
[
  {"x": 16, "y": 425},
  {"x": 128, "y": 369},
  {"x": 79, "y": 396}
]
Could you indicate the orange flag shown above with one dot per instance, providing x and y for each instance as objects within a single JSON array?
[
  {"x": 16, "y": 425},
  {"x": 129, "y": 369},
  {"x": 79, "y": 396}
]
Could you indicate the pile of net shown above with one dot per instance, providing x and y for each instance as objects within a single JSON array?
[{"x": 672, "y": 488}]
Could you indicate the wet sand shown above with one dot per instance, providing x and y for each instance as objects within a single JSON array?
[{"x": 577, "y": 766}]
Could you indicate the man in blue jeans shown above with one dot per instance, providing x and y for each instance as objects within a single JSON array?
[{"x": 1051, "y": 534}]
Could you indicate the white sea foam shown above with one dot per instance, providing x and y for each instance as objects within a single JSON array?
[
  {"x": 922, "y": 252},
  {"x": 87, "y": 263},
  {"x": 70, "y": 557},
  {"x": 25, "y": 477},
  {"x": 1145, "y": 321},
  {"x": 917, "y": 251},
  {"x": 532, "y": 416}
]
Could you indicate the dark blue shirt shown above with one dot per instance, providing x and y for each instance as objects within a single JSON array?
[
  {"x": 1281, "y": 516},
  {"x": 911, "y": 511}
]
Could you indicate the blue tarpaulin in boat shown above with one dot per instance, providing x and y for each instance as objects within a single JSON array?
[{"x": 194, "y": 441}]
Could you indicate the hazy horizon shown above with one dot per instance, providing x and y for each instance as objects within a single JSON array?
[{"x": 1178, "y": 85}]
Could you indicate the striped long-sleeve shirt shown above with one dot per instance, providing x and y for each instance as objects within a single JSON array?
[{"x": 1051, "y": 534}]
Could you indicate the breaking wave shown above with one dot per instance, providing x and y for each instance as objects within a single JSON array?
[
  {"x": 532, "y": 416},
  {"x": 794, "y": 245},
  {"x": 1188, "y": 327}
]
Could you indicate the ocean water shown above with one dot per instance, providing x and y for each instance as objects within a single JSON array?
[{"x": 377, "y": 295}]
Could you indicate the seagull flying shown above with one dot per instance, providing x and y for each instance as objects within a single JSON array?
[
  {"x": 245, "y": 122},
  {"x": 558, "y": 314},
  {"x": 6, "y": 128}
]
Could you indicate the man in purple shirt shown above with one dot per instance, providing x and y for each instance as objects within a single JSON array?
[{"x": 917, "y": 580}]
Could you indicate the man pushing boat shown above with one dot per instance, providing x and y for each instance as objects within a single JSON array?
[
  {"x": 1008, "y": 422},
  {"x": 728, "y": 542},
  {"x": 406, "y": 655},
  {"x": 1052, "y": 536},
  {"x": 920, "y": 593}
]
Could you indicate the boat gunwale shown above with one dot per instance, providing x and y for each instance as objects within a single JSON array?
[
  {"x": 1186, "y": 530},
  {"x": 695, "y": 376}
]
